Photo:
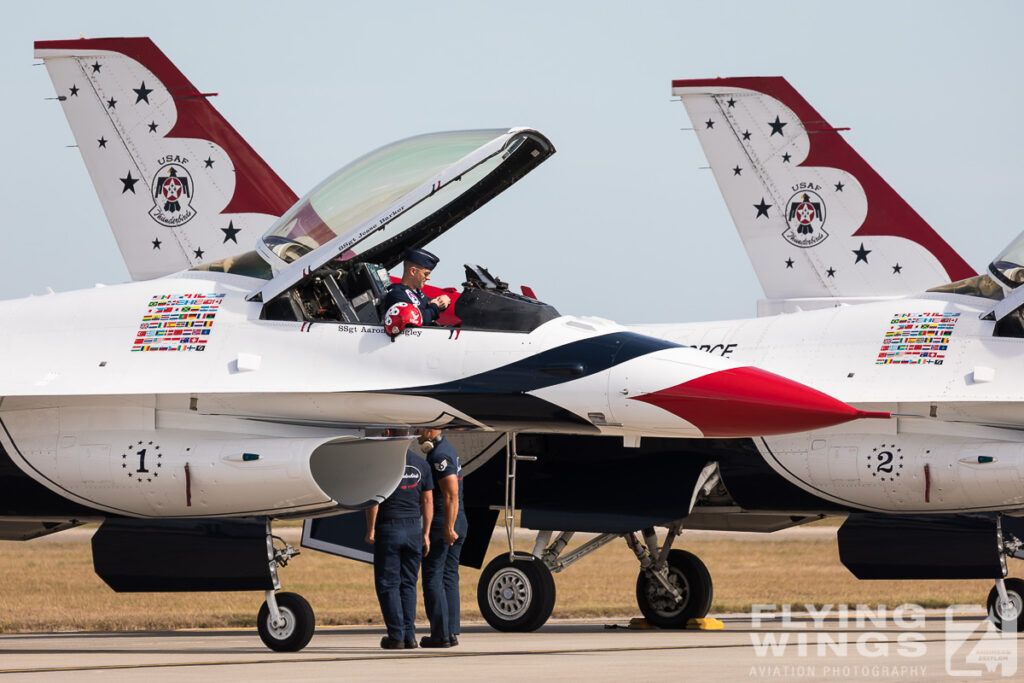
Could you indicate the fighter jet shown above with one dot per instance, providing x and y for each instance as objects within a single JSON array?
[
  {"x": 862, "y": 299},
  {"x": 880, "y": 312},
  {"x": 186, "y": 411}
]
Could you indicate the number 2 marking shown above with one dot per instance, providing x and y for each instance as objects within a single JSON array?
[{"x": 884, "y": 462}]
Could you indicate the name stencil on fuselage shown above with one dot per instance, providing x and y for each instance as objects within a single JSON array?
[
  {"x": 177, "y": 322},
  {"x": 917, "y": 339}
]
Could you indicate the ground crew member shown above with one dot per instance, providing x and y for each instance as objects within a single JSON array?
[
  {"x": 400, "y": 540},
  {"x": 447, "y": 534},
  {"x": 415, "y": 273}
]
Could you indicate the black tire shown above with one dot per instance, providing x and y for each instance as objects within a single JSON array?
[
  {"x": 687, "y": 573},
  {"x": 516, "y": 596},
  {"x": 298, "y": 626},
  {"x": 1015, "y": 592}
]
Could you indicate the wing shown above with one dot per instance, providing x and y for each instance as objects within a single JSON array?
[
  {"x": 137, "y": 120},
  {"x": 818, "y": 223}
]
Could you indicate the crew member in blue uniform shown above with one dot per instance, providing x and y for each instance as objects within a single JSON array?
[
  {"x": 447, "y": 534},
  {"x": 400, "y": 540},
  {"x": 415, "y": 273}
]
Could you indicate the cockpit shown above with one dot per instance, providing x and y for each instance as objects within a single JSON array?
[
  {"x": 1007, "y": 268},
  {"x": 1001, "y": 284},
  {"x": 330, "y": 254}
]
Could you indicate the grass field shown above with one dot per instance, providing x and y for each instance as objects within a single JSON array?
[{"x": 50, "y": 586}]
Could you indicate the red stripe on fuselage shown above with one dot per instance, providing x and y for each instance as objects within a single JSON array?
[{"x": 749, "y": 401}]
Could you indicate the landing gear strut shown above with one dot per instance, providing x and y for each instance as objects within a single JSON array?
[
  {"x": 682, "y": 590},
  {"x": 1006, "y": 599},
  {"x": 516, "y": 592},
  {"x": 285, "y": 621}
]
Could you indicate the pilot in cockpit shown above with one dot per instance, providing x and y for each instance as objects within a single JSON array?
[{"x": 416, "y": 271}]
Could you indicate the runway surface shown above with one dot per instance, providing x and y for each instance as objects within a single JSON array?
[{"x": 882, "y": 647}]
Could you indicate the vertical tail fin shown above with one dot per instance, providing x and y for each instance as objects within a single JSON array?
[
  {"x": 817, "y": 221},
  {"x": 178, "y": 184}
]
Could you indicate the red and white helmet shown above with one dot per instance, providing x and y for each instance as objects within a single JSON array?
[{"x": 400, "y": 316}]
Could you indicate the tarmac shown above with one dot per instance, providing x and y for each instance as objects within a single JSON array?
[{"x": 835, "y": 646}]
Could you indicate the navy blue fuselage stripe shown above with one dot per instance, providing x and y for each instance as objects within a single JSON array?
[{"x": 545, "y": 369}]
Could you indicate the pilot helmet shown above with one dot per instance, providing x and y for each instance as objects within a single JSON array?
[{"x": 400, "y": 316}]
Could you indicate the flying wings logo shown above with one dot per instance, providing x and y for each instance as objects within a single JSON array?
[
  {"x": 173, "y": 191},
  {"x": 805, "y": 217}
]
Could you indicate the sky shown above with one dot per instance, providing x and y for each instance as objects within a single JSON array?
[{"x": 623, "y": 221}]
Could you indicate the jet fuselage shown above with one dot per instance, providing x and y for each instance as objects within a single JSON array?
[{"x": 931, "y": 360}]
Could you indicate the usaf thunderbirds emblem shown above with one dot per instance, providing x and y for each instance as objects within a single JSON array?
[
  {"x": 805, "y": 217},
  {"x": 172, "y": 195}
]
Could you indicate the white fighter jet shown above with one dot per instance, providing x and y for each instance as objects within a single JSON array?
[
  {"x": 188, "y": 408},
  {"x": 864, "y": 301}
]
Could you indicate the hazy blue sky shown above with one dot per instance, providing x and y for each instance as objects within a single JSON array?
[{"x": 622, "y": 222}]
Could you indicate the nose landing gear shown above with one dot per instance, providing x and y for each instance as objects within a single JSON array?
[
  {"x": 1006, "y": 604},
  {"x": 285, "y": 622}
]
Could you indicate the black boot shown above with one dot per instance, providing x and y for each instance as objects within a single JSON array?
[{"x": 428, "y": 641}]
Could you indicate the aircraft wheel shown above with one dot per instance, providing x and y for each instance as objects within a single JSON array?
[
  {"x": 516, "y": 596},
  {"x": 1007, "y": 616},
  {"x": 298, "y": 625},
  {"x": 688, "y": 575}
]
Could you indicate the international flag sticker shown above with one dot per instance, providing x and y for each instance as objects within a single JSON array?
[
  {"x": 917, "y": 339},
  {"x": 177, "y": 322}
]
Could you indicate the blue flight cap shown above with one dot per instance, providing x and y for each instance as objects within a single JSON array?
[{"x": 420, "y": 257}]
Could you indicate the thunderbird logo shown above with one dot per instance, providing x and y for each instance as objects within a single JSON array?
[
  {"x": 173, "y": 191},
  {"x": 805, "y": 219}
]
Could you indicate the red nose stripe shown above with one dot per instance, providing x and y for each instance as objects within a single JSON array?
[{"x": 751, "y": 402}]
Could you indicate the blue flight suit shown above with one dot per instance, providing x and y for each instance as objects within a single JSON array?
[
  {"x": 398, "y": 549},
  {"x": 399, "y": 292},
  {"x": 441, "y": 565}
]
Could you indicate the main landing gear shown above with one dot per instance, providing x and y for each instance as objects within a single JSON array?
[
  {"x": 285, "y": 621},
  {"x": 517, "y": 594},
  {"x": 674, "y": 586}
]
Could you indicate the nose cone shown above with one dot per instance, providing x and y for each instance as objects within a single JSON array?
[{"x": 748, "y": 401}]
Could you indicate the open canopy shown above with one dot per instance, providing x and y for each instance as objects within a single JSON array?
[
  {"x": 1008, "y": 267},
  {"x": 402, "y": 195}
]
